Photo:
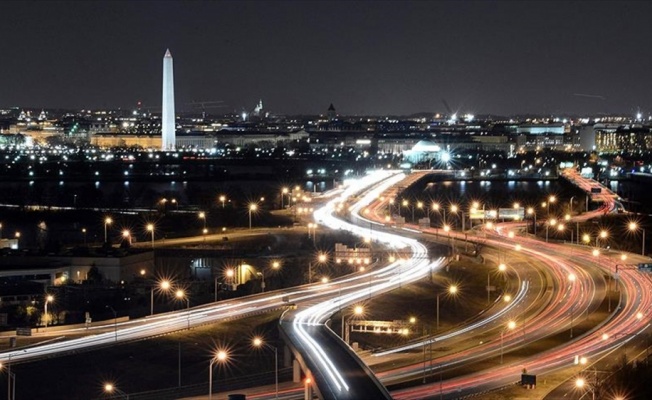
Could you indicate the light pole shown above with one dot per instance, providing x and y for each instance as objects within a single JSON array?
[
  {"x": 357, "y": 311},
  {"x": 312, "y": 226},
  {"x": 531, "y": 211},
  {"x": 84, "y": 232},
  {"x": 510, "y": 325},
  {"x": 110, "y": 389},
  {"x": 126, "y": 235},
  {"x": 252, "y": 207},
  {"x": 221, "y": 356},
  {"x": 163, "y": 286},
  {"x": 202, "y": 216},
  {"x": 150, "y": 228},
  {"x": 11, "y": 380},
  {"x": 107, "y": 221},
  {"x": 259, "y": 343},
  {"x": 284, "y": 191},
  {"x": 181, "y": 295},
  {"x": 571, "y": 279},
  {"x": 633, "y": 226},
  {"x": 603, "y": 235},
  {"x": 451, "y": 290},
  {"x": 454, "y": 209},
  {"x": 115, "y": 322},
  {"x": 580, "y": 383},
  {"x": 223, "y": 200},
  {"x": 551, "y": 199},
  {"x": 48, "y": 299}
]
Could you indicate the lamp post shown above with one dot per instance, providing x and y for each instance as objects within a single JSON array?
[
  {"x": 551, "y": 200},
  {"x": 571, "y": 279},
  {"x": 164, "y": 286},
  {"x": 633, "y": 226},
  {"x": 532, "y": 211},
  {"x": 454, "y": 209},
  {"x": 126, "y": 235},
  {"x": 603, "y": 235},
  {"x": 11, "y": 380},
  {"x": 284, "y": 191},
  {"x": 252, "y": 207},
  {"x": 202, "y": 216},
  {"x": 150, "y": 228},
  {"x": 115, "y": 322},
  {"x": 510, "y": 326},
  {"x": 181, "y": 295},
  {"x": 48, "y": 299},
  {"x": 451, "y": 290},
  {"x": 107, "y": 221},
  {"x": 357, "y": 311},
  {"x": 259, "y": 343},
  {"x": 110, "y": 389},
  {"x": 221, "y": 356},
  {"x": 313, "y": 227},
  {"x": 223, "y": 200},
  {"x": 580, "y": 383}
]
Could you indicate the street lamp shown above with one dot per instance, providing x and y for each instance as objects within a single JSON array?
[
  {"x": 603, "y": 235},
  {"x": 312, "y": 226},
  {"x": 284, "y": 191},
  {"x": 571, "y": 279},
  {"x": 223, "y": 200},
  {"x": 581, "y": 383},
  {"x": 633, "y": 226},
  {"x": 452, "y": 289},
  {"x": 110, "y": 389},
  {"x": 202, "y": 216},
  {"x": 511, "y": 325},
  {"x": 150, "y": 228},
  {"x": 107, "y": 221},
  {"x": 48, "y": 299},
  {"x": 126, "y": 235},
  {"x": 551, "y": 200},
  {"x": 163, "y": 286},
  {"x": 84, "y": 232},
  {"x": 220, "y": 357},
  {"x": 181, "y": 295},
  {"x": 252, "y": 207},
  {"x": 259, "y": 343},
  {"x": 532, "y": 211},
  {"x": 357, "y": 311}
]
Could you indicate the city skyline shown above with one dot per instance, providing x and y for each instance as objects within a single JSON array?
[{"x": 366, "y": 58}]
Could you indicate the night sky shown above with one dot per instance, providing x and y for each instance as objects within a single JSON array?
[{"x": 375, "y": 58}]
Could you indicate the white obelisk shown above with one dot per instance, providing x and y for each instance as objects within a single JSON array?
[{"x": 167, "y": 118}]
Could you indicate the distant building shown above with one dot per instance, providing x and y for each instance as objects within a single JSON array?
[{"x": 331, "y": 114}]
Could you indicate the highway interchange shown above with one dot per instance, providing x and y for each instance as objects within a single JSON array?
[{"x": 556, "y": 284}]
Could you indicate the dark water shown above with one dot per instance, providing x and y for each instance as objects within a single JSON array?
[
  {"x": 637, "y": 195},
  {"x": 499, "y": 193}
]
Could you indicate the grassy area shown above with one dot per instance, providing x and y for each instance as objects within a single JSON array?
[{"x": 151, "y": 364}]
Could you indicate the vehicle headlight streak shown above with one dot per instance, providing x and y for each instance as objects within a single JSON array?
[{"x": 373, "y": 282}]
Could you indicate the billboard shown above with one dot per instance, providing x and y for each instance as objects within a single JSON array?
[
  {"x": 511, "y": 213},
  {"x": 483, "y": 214}
]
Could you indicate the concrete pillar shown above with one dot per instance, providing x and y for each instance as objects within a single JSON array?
[
  {"x": 296, "y": 371},
  {"x": 287, "y": 357},
  {"x": 307, "y": 391}
]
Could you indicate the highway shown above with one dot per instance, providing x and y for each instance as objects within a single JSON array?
[{"x": 339, "y": 373}]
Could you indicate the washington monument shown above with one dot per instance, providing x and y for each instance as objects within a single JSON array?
[{"x": 168, "y": 123}]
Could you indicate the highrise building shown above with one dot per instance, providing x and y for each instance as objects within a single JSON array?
[{"x": 168, "y": 123}]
